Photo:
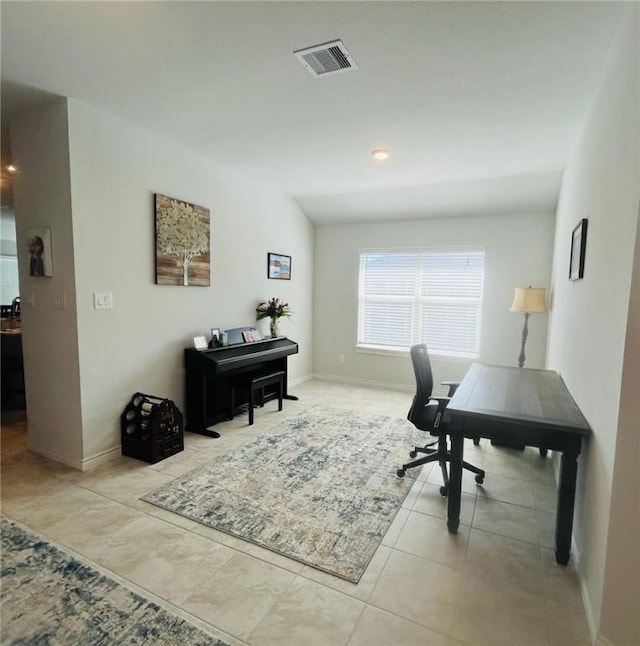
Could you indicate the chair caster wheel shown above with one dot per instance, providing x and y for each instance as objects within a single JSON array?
[
  {"x": 413, "y": 454},
  {"x": 479, "y": 479},
  {"x": 400, "y": 473},
  {"x": 444, "y": 491}
]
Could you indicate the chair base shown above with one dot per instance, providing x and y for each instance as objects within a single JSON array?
[{"x": 442, "y": 456}]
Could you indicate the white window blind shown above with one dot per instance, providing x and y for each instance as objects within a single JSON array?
[{"x": 429, "y": 296}]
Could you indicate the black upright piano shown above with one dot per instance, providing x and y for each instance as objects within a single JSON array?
[{"x": 209, "y": 376}]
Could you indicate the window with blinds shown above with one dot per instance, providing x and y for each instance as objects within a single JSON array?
[
  {"x": 9, "y": 288},
  {"x": 430, "y": 296}
]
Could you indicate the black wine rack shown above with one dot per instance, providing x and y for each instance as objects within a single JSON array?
[{"x": 151, "y": 428}]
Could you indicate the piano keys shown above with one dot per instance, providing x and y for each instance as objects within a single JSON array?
[{"x": 209, "y": 376}]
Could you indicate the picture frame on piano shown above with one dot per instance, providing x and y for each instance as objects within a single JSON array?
[
  {"x": 215, "y": 337},
  {"x": 251, "y": 335},
  {"x": 200, "y": 342}
]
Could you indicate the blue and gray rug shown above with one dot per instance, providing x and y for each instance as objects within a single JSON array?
[
  {"x": 49, "y": 597},
  {"x": 320, "y": 488}
]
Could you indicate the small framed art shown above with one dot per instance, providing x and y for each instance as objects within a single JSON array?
[
  {"x": 578, "y": 249},
  {"x": 39, "y": 246},
  {"x": 200, "y": 342},
  {"x": 278, "y": 266}
]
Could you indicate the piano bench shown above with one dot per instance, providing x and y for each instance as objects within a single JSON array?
[{"x": 256, "y": 382}]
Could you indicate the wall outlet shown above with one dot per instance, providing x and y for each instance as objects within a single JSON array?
[
  {"x": 60, "y": 301},
  {"x": 341, "y": 358},
  {"x": 102, "y": 301}
]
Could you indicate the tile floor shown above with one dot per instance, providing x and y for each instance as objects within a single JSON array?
[{"x": 495, "y": 582}]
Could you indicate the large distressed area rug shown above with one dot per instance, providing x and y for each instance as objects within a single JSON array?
[
  {"x": 321, "y": 488},
  {"x": 49, "y": 597}
]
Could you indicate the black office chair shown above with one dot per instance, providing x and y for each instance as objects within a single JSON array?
[{"x": 427, "y": 414}]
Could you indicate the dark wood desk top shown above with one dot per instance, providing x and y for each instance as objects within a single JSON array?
[{"x": 537, "y": 398}]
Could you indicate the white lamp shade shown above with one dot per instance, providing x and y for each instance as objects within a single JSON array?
[{"x": 529, "y": 299}]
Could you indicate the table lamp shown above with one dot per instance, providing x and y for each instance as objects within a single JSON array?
[{"x": 527, "y": 300}]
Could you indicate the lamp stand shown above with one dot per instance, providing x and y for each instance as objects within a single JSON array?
[{"x": 525, "y": 334}]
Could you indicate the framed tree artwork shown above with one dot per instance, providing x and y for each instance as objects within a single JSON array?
[{"x": 182, "y": 242}]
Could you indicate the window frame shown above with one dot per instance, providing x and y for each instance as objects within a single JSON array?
[{"x": 418, "y": 302}]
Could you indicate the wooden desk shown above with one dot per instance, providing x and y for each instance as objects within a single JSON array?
[{"x": 532, "y": 407}]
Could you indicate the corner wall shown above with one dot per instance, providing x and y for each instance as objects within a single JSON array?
[
  {"x": 40, "y": 147},
  {"x": 589, "y": 337},
  {"x": 114, "y": 169}
]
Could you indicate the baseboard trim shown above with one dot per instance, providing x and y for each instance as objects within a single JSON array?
[
  {"x": 592, "y": 621},
  {"x": 79, "y": 465},
  {"x": 297, "y": 381},
  {"x": 366, "y": 383},
  {"x": 100, "y": 458},
  {"x": 54, "y": 455}
]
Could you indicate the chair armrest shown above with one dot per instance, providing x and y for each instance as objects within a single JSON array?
[{"x": 453, "y": 386}]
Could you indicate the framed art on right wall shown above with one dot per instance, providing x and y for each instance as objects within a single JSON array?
[{"x": 578, "y": 248}]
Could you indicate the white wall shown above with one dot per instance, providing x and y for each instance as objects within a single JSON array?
[
  {"x": 40, "y": 148},
  {"x": 588, "y": 342},
  {"x": 518, "y": 253},
  {"x": 115, "y": 169}
]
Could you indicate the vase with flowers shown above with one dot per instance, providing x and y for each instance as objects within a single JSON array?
[{"x": 273, "y": 309}]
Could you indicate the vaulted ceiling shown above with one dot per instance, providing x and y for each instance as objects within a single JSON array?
[{"x": 480, "y": 103}]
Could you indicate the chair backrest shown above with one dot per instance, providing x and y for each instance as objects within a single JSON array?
[{"x": 424, "y": 385}]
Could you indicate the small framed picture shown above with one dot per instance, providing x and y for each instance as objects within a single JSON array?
[
  {"x": 215, "y": 337},
  {"x": 578, "y": 250},
  {"x": 278, "y": 266},
  {"x": 200, "y": 342},
  {"x": 39, "y": 246}
]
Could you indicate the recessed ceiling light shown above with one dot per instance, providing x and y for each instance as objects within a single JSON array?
[
  {"x": 380, "y": 154},
  {"x": 11, "y": 168}
]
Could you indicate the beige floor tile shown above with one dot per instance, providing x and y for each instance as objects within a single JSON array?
[
  {"x": 419, "y": 590},
  {"x": 391, "y": 536},
  {"x": 133, "y": 543},
  {"x": 60, "y": 505},
  {"x": 428, "y": 537},
  {"x": 379, "y": 628},
  {"x": 505, "y": 561},
  {"x": 431, "y": 501},
  {"x": 238, "y": 595},
  {"x": 544, "y": 470},
  {"x": 507, "y": 520},
  {"x": 561, "y": 583},
  {"x": 488, "y": 614},
  {"x": 175, "y": 573},
  {"x": 91, "y": 526},
  {"x": 511, "y": 490},
  {"x": 183, "y": 462},
  {"x": 546, "y": 497},
  {"x": 566, "y": 628},
  {"x": 508, "y": 463},
  {"x": 308, "y": 613},
  {"x": 546, "y": 529},
  {"x": 125, "y": 481},
  {"x": 361, "y": 590}
]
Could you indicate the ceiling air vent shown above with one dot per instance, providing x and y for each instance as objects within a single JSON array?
[{"x": 326, "y": 59}]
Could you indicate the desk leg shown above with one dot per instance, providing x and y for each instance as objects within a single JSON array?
[
  {"x": 564, "y": 512},
  {"x": 455, "y": 483}
]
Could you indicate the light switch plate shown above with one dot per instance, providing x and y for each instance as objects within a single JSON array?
[{"x": 102, "y": 301}]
